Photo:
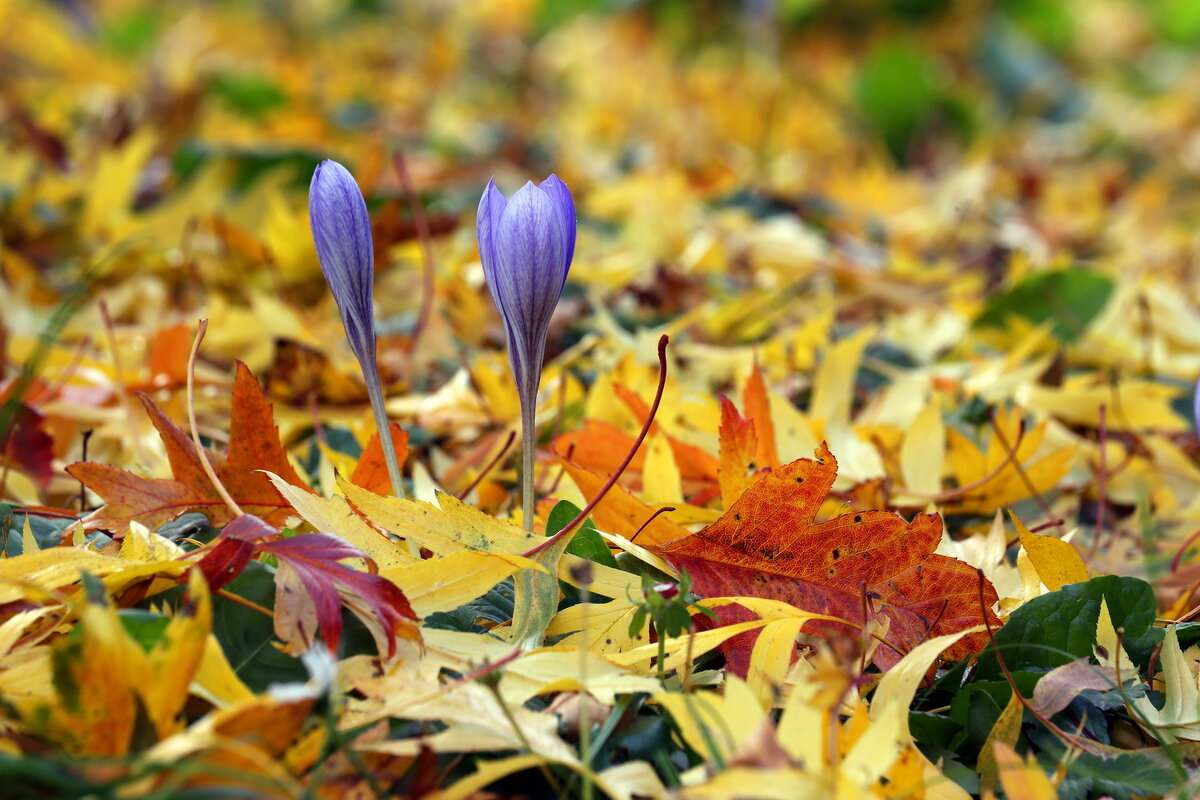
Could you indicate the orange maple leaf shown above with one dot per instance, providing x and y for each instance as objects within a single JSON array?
[
  {"x": 253, "y": 446},
  {"x": 371, "y": 470},
  {"x": 856, "y": 567}
]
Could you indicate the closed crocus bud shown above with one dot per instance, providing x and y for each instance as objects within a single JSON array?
[
  {"x": 341, "y": 230},
  {"x": 526, "y": 243}
]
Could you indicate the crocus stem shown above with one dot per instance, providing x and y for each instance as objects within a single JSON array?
[
  {"x": 528, "y": 443},
  {"x": 383, "y": 425}
]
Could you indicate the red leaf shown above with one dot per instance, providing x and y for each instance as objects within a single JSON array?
[
  {"x": 27, "y": 444},
  {"x": 253, "y": 446},
  {"x": 767, "y": 545},
  {"x": 314, "y": 559}
]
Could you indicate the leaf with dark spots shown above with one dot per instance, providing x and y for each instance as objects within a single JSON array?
[{"x": 856, "y": 567}]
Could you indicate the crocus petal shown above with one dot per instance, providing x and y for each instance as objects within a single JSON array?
[
  {"x": 487, "y": 222},
  {"x": 530, "y": 249},
  {"x": 526, "y": 244},
  {"x": 565, "y": 206},
  {"x": 341, "y": 230}
]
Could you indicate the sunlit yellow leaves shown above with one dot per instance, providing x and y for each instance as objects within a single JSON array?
[
  {"x": 144, "y": 690},
  {"x": 1132, "y": 405},
  {"x": 995, "y": 476},
  {"x": 1057, "y": 563}
]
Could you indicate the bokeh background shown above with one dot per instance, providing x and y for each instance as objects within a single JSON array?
[{"x": 762, "y": 176}]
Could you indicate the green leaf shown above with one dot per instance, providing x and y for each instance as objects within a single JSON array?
[
  {"x": 496, "y": 607},
  {"x": 1071, "y": 298},
  {"x": 587, "y": 542},
  {"x": 249, "y": 94},
  {"x": 1123, "y": 777},
  {"x": 1059, "y": 627},
  {"x": 146, "y": 627},
  {"x": 896, "y": 93},
  {"x": 248, "y": 637}
]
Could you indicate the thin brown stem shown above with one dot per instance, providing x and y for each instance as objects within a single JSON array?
[
  {"x": 201, "y": 453},
  {"x": 650, "y": 519},
  {"x": 1029, "y": 485},
  {"x": 641, "y": 437},
  {"x": 241, "y": 601},
  {"x": 512, "y": 435}
]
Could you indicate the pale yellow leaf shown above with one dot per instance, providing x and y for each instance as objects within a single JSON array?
[
  {"x": 447, "y": 582},
  {"x": 1057, "y": 563},
  {"x": 333, "y": 515},
  {"x": 922, "y": 454}
]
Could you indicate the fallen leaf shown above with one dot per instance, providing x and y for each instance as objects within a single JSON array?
[
  {"x": 253, "y": 447},
  {"x": 767, "y": 545}
]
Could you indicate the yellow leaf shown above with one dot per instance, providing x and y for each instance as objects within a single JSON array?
[
  {"x": 1005, "y": 731},
  {"x": 1056, "y": 561},
  {"x": 779, "y": 783},
  {"x": 1132, "y": 405},
  {"x": 1023, "y": 779},
  {"x": 445, "y": 583},
  {"x": 660, "y": 476},
  {"x": 771, "y": 657},
  {"x": 28, "y": 542},
  {"x": 833, "y": 386},
  {"x": 995, "y": 482},
  {"x": 334, "y": 515},
  {"x": 708, "y": 719},
  {"x": 898, "y": 686},
  {"x": 923, "y": 453}
]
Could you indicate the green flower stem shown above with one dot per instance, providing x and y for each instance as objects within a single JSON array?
[
  {"x": 528, "y": 444},
  {"x": 383, "y": 425}
]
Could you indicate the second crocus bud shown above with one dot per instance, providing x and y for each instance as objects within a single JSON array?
[
  {"x": 341, "y": 230},
  {"x": 526, "y": 243}
]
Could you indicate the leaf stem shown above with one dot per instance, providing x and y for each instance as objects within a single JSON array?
[
  {"x": 201, "y": 453},
  {"x": 641, "y": 437},
  {"x": 489, "y": 466}
]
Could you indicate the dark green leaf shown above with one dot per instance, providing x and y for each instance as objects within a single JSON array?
[
  {"x": 1070, "y": 298},
  {"x": 1055, "y": 628},
  {"x": 587, "y": 542}
]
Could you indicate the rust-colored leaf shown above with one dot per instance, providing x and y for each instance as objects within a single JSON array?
[
  {"x": 767, "y": 545},
  {"x": 758, "y": 409},
  {"x": 253, "y": 446},
  {"x": 739, "y": 449},
  {"x": 371, "y": 470}
]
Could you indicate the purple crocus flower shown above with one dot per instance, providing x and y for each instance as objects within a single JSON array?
[
  {"x": 341, "y": 230},
  {"x": 526, "y": 243}
]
